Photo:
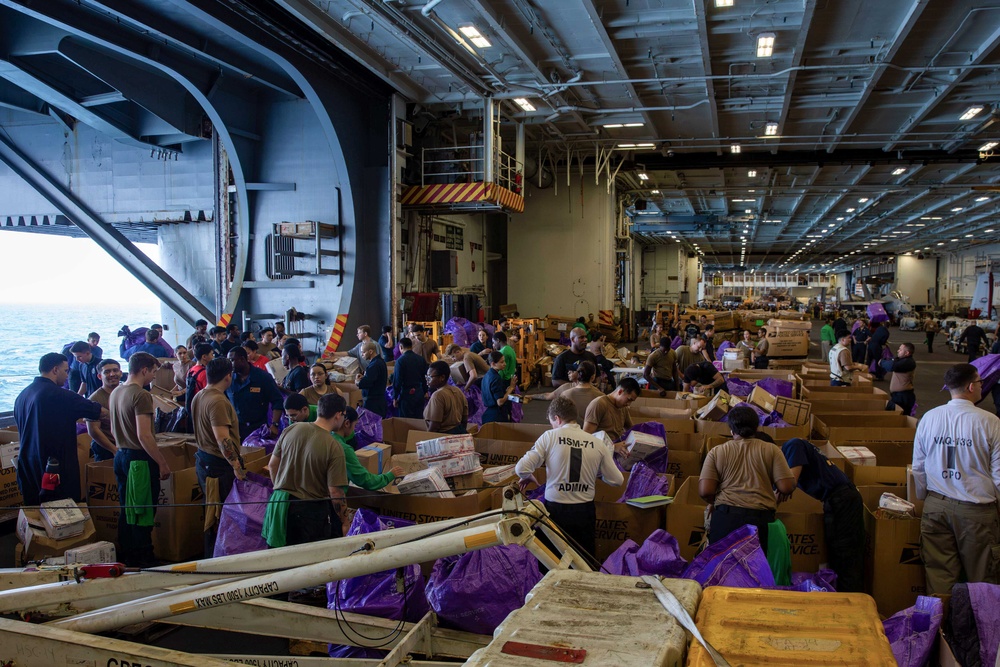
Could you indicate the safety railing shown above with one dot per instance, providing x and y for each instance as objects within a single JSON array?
[{"x": 467, "y": 164}]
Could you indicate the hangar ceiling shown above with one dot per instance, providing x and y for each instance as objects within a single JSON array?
[{"x": 862, "y": 128}]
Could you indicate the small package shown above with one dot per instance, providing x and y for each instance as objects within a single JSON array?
[
  {"x": 891, "y": 505},
  {"x": 498, "y": 474},
  {"x": 456, "y": 465},
  {"x": 859, "y": 456},
  {"x": 641, "y": 445},
  {"x": 428, "y": 482},
  {"x": 9, "y": 453},
  {"x": 62, "y": 519},
  {"x": 349, "y": 366},
  {"x": 715, "y": 409},
  {"x": 98, "y": 552},
  {"x": 470, "y": 481},
  {"x": 375, "y": 457},
  {"x": 449, "y": 445}
]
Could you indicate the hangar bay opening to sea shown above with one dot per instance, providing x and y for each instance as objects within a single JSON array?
[{"x": 27, "y": 331}]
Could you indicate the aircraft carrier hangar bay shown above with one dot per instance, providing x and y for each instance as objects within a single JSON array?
[{"x": 603, "y": 155}]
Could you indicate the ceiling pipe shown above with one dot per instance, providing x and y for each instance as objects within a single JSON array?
[
  {"x": 568, "y": 109},
  {"x": 428, "y": 8}
]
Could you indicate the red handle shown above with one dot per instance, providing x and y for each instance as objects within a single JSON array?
[{"x": 102, "y": 570}]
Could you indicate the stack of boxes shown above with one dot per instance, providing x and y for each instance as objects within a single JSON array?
[{"x": 452, "y": 466}]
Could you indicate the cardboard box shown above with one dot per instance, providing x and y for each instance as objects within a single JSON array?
[
  {"x": 641, "y": 445},
  {"x": 376, "y": 457},
  {"x": 429, "y": 483},
  {"x": 672, "y": 400},
  {"x": 857, "y": 456},
  {"x": 460, "y": 464},
  {"x": 875, "y": 403},
  {"x": 471, "y": 481},
  {"x": 826, "y": 392},
  {"x": 352, "y": 394},
  {"x": 501, "y": 452},
  {"x": 790, "y": 325},
  {"x": 784, "y": 342},
  {"x": 658, "y": 412},
  {"x": 831, "y": 453},
  {"x": 459, "y": 374},
  {"x": 445, "y": 446},
  {"x": 63, "y": 519},
  {"x": 779, "y": 435},
  {"x": 685, "y": 454},
  {"x": 860, "y": 428},
  {"x": 9, "y": 453},
  {"x": 734, "y": 363},
  {"x": 36, "y": 544},
  {"x": 891, "y": 461},
  {"x": 409, "y": 463},
  {"x": 802, "y": 516},
  {"x": 716, "y": 408},
  {"x": 617, "y": 522},
  {"x": 724, "y": 321},
  {"x": 349, "y": 366},
  {"x": 414, "y": 437},
  {"x": 178, "y": 531},
  {"x": 421, "y": 509},
  {"x": 395, "y": 432},
  {"x": 894, "y": 573},
  {"x": 762, "y": 399},
  {"x": 509, "y": 431}
]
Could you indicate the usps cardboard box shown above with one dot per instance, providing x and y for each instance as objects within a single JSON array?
[
  {"x": 409, "y": 463},
  {"x": 672, "y": 400},
  {"x": 784, "y": 342},
  {"x": 669, "y": 425},
  {"x": 826, "y": 392},
  {"x": 792, "y": 411},
  {"x": 509, "y": 431},
  {"x": 802, "y": 516},
  {"x": 415, "y": 436},
  {"x": 421, "y": 509},
  {"x": 872, "y": 403},
  {"x": 177, "y": 531},
  {"x": 396, "y": 430},
  {"x": 685, "y": 454},
  {"x": 10, "y": 494},
  {"x": 36, "y": 544},
  {"x": 501, "y": 452},
  {"x": 894, "y": 573},
  {"x": 874, "y": 427},
  {"x": 716, "y": 408}
]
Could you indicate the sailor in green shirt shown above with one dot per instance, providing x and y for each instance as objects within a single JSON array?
[
  {"x": 357, "y": 473},
  {"x": 297, "y": 409},
  {"x": 827, "y": 338},
  {"x": 500, "y": 343}
]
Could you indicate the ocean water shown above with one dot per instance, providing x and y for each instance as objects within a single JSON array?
[{"x": 27, "y": 331}]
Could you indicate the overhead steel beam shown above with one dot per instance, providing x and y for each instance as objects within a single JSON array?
[
  {"x": 18, "y": 99},
  {"x": 158, "y": 281},
  {"x": 808, "y": 9},
  {"x": 609, "y": 45},
  {"x": 706, "y": 63},
  {"x": 905, "y": 26},
  {"x": 149, "y": 88},
  {"x": 124, "y": 13},
  {"x": 939, "y": 94},
  {"x": 341, "y": 37}
]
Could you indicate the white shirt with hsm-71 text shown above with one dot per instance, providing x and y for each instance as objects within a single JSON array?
[{"x": 573, "y": 460}]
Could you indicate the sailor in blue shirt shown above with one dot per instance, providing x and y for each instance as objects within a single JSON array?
[
  {"x": 84, "y": 378},
  {"x": 843, "y": 510},
  {"x": 46, "y": 416},
  {"x": 251, "y": 393},
  {"x": 151, "y": 346},
  {"x": 374, "y": 380}
]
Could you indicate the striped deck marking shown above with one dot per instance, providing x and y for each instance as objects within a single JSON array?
[
  {"x": 454, "y": 193},
  {"x": 606, "y": 318},
  {"x": 225, "y": 319},
  {"x": 335, "y": 335}
]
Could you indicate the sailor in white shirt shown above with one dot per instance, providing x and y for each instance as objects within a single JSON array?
[
  {"x": 573, "y": 461},
  {"x": 956, "y": 468}
]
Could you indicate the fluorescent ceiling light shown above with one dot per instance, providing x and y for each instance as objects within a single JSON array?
[
  {"x": 644, "y": 145},
  {"x": 765, "y": 45},
  {"x": 475, "y": 36},
  {"x": 988, "y": 146},
  {"x": 942, "y": 243},
  {"x": 863, "y": 200},
  {"x": 752, "y": 173},
  {"x": 770, "y": 129},
  {"x": 748, "y": 211},
  {"x": 838, "y": 220},
  {"x": 735, "y": 148},
  {"x": 981, "y": 198},
  {"x": 626, "y": 145},
  {"x": 971, "y": 112},
  {"x": 634, "y": 124},
  {"x": 614, "y": 125},
  {"x": 643, "y": 176},
  {"x": 832, "y": 224},
  {"x": 654, "y": 192},
  {"x": 957, "y": 209},
  {"x": 968, "y": 236},
  {"x": 987, "y": 231},
  {"x": 524, "y": 104},
  {"x": 899, "y": 171},
  {"x": 954, "y": 240},
  {"x": 851, "y": 210}
]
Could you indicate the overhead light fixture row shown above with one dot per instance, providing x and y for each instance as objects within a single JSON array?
[
  {"x": 735, "y": 149},
  {"x": 988, "y": 146},
  {"x": 752, "y": 173},
  {"x": 899, "y": 171},
  {"x": 524, "y": 104},
  {"x": 643, "y": 176},
  {"x": 771, "y": 129}
]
